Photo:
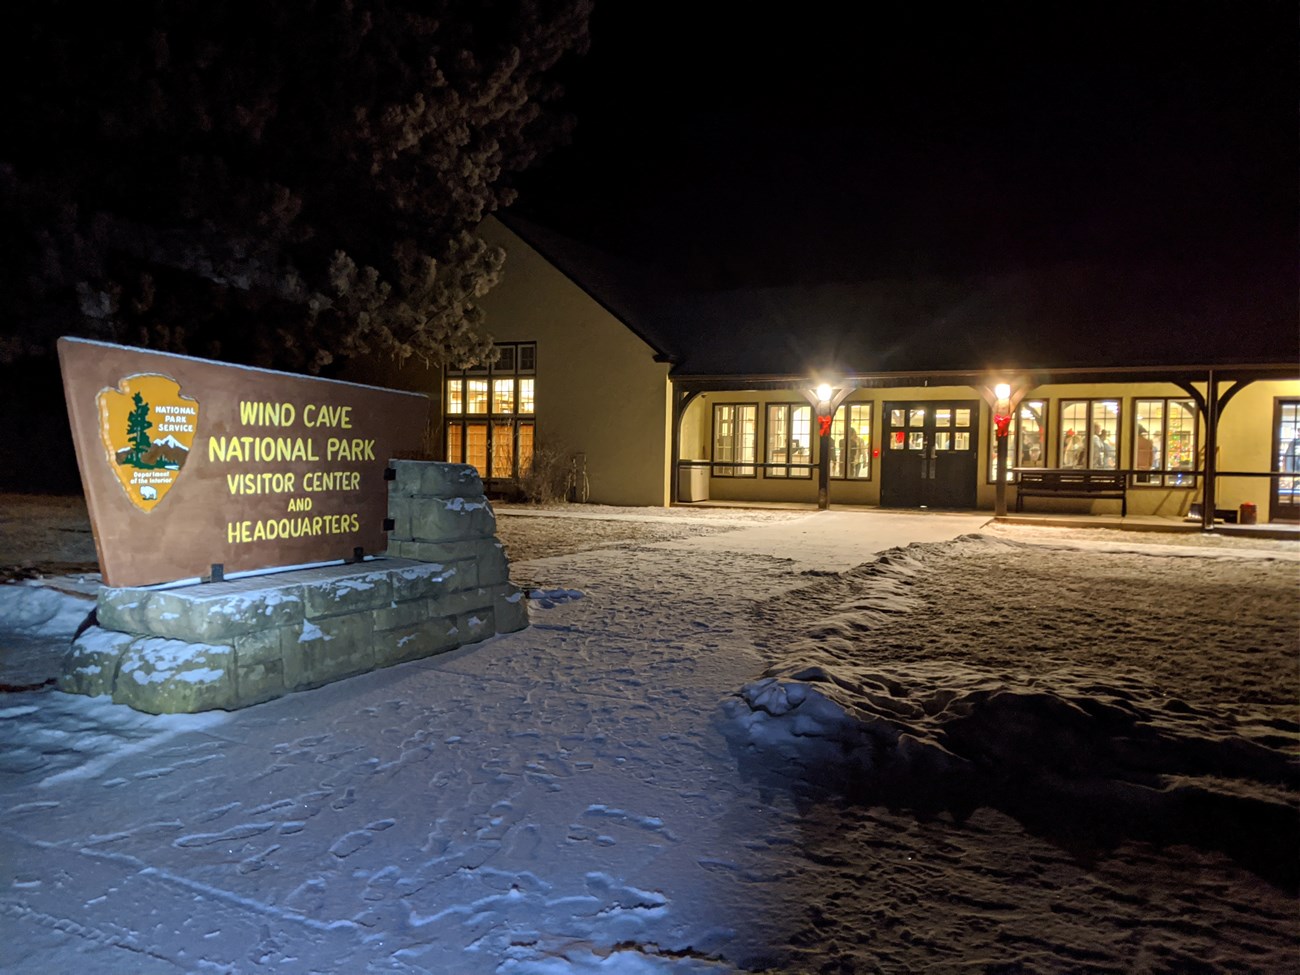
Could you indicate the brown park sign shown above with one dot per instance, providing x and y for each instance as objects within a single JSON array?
[{"x": 189, "y": 463}]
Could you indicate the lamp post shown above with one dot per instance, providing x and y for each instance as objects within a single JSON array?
[{"x": 1001, "y": 424}]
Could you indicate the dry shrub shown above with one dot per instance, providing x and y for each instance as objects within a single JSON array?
[{"x": 547, "y": 477}]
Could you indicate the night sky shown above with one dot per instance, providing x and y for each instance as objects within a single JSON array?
[{"x": 830, "y": 142}]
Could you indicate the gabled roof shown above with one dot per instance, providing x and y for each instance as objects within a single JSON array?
[{"x": 1067, "y": 316}]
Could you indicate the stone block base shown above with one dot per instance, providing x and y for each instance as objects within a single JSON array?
[{"x": 232, "y": 644}]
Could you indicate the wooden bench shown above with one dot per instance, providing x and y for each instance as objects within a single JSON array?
[{"x": 1054, "y": 482}]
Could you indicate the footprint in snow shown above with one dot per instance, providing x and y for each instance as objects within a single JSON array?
[
  {"x": 349, "y": 843},
  {"x": 550, "y": 598}
]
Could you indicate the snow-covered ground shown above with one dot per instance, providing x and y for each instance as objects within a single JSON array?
[{"x": 730, "y": 741}]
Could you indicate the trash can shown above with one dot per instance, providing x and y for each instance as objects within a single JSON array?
[
  {"x": 693, "y": 481},
  {"x": 1246, "y": 514}
]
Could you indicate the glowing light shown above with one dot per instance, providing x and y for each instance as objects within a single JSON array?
[
  {"x": 1002, "y": 391},
  {"x": 823, "y": 392}
]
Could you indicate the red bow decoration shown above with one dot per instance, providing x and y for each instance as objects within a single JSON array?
[
  {"x": 825, "y": 423},
  {"x": 1001, "y": 421}
]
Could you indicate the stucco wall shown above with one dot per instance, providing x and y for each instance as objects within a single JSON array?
[
  {"x": 1246, "y": 441},
  {"x": 599, "y": 390}
]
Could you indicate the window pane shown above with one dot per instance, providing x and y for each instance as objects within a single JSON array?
[
  {"x": 477, "y": 392},
  {"x": 455, "y": 444},
  {"x": 505, "y": 360},
  {"x": 798, "y": 442},
  {"x": 942, "y": 417},
  {"x": 1031, "y": 446},
  {"x": 526, "y": 396},
  {"x": 943, "y": 440},
  {"x": 525, "y": 447},
  {"x": 1074, "y": 442},
  {"x": 838, "y": 439},
  {"x": 1104, "y": 454},
  {"x": 527, "y": 358},
  {"x": 503, "y": 396},
  {"x": 916, "y": 418},
  {"x": 503, "y": 450},
  {"x": 777, "y": 439},
  {"x": 963, "y": 418},
  {"x": 476, "y": 446},
  {"x": 1148, "y": 439},
  {"x": 858, "y": 437},
  {"x": 455, "y": 396},
  {"x": 748, "y": 438},
  {"x": 1180, "y": 439}
]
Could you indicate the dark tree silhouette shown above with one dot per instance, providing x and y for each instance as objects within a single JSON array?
[{"x": 283, "y": 184}]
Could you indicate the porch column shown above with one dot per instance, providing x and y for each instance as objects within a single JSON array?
[
  {"x": 1209, "y": 494},
  {"x": 1000, "y": 489},
  {"x": 825, "y": 400},
  {"x": 1003, "y": 399},
  {"x": 824, "y": 467}
]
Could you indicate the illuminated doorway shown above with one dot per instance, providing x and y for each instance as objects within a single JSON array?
[
  {"x": 1284, "y": 502},
  {"x": 930, "y": 455}
]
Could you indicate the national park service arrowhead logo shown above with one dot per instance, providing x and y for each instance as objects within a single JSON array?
[{"x": 147, "y": 429}]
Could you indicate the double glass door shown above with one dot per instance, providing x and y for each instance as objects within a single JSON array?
[
  {"x": 931, "y": 454},
  {"x": 1284, "y": 504}
]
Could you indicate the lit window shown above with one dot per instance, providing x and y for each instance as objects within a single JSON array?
[
  {"x": 503, "y": 449},
  {"x": 789, "y": 440},
  {"x": 1284, "y": 501},
  {"x": 503, "y": 395},
  {"x": 1164, "y": 440},
  {"x": 851, "y": 442},
  {"x": 477, "y": 392},
  {"x": 1026, "y": 439},
  {"x": 476, "y": 447},
  {"x": 1090, "y": 434},
  {"x": 525, "y": 447},
  {"x": 456, "y": 443},
  {"x": 735, "y": 439}
]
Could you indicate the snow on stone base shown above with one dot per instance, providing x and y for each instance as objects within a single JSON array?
[{"x": 241, "y": 642}]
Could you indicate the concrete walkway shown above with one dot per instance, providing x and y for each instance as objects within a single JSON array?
[{"x": 837, "y": 540}]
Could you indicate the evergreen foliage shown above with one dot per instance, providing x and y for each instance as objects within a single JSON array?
[
  {"x": 283, "y": 184},
  {"x": 137, "y": 431}
]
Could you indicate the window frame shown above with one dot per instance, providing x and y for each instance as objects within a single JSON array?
[
  {"x": 866, "y": 407},
  {"x": 787, "y": 469},
  {"x": 728, "y": 468},
  {"x": 1087, "y": 442},
  {"x": 500, "y": 418},
  {"x": 1164, "y": 476},
  {"x": 1015, "y": 435}
]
